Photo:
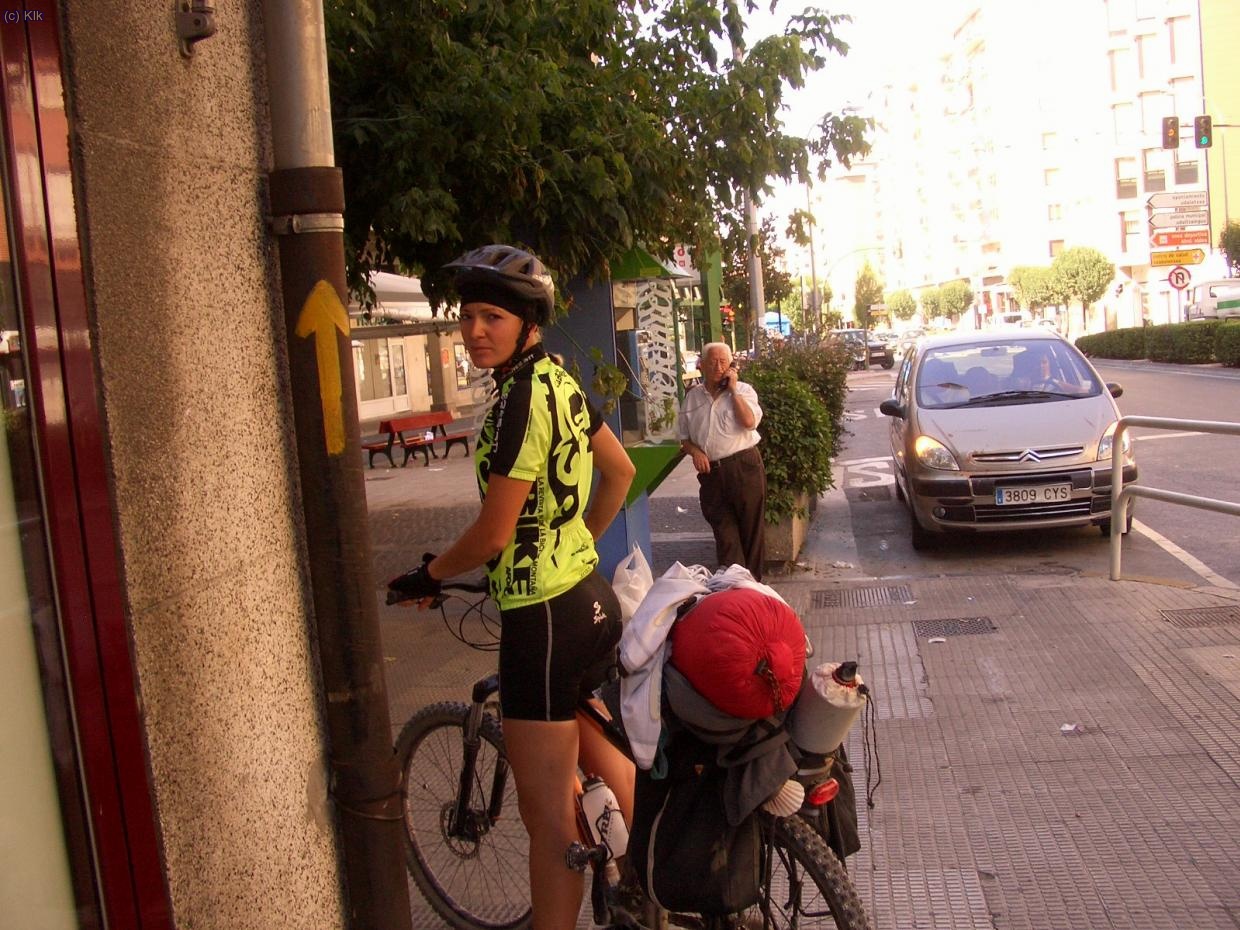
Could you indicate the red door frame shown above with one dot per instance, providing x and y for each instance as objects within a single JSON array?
[{"x": 68, "y": 423}]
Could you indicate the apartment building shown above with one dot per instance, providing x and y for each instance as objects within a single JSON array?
[{"x": 1036, "y": 128}]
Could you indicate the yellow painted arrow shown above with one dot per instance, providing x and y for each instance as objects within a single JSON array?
[{"x": 322, "y": 315}]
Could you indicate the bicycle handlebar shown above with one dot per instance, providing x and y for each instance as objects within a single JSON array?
[{"x": 396, "y": 595}]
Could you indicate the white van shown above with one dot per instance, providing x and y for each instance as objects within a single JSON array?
[{"x": 1214, "y": 300}]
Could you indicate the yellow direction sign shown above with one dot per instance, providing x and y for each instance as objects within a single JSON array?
[
  {"x": 322, "y": 316},
  {"x": 1178, "y": 257}
]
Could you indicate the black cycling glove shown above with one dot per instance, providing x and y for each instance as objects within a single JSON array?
[{"x": 414, "y": 584}]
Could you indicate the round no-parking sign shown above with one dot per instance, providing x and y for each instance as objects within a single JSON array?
[{"x": 1179, "y": 277}]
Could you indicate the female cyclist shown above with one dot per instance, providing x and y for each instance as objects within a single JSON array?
[{"x": 535, "y": 457}]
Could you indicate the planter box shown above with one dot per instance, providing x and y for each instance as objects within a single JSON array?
[{"x": 785, "y": 539}]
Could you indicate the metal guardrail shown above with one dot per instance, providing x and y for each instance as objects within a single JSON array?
[{"x": 1120, "y": 495}]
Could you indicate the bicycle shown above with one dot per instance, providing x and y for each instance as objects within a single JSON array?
[{"x": 466, "y": 847}]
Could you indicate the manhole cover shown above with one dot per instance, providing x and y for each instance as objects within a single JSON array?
[
  {"x": 1202, "y": 616},
  {"x": 953, "y": 626},
  {"x": 861, "y": 597}
]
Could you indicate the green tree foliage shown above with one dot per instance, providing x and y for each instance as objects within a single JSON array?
[
  {"x": 1034, "y": 286},
  {"x": 575, "y": 127},
  {"x": 901, "y": 304},
  {"x": 868, "y": 289},
  {"x": 955, "y": 297},
  {"x": 1229, "y": 245},
  {"x": 1081, "y": 273},
  {"x": 931, "y": 303}
]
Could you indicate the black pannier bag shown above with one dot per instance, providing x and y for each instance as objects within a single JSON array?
[{"x": 687, "y": 855}]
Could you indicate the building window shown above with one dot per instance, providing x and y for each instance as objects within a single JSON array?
[
  {"x": 1187, "y": 97},
  {"x": 1056, "y": 246},
  {"x": 1119, "y": 14},
  {"x": 1048, "y": 141},
  {"x": 1181, "y": 44},
  {"x": 1051, "y": 176},
  {"x": 1125, "y": 178},
  {"x": 1054, "y": 212},
  {"x": 1129, "y": 232},
  {"x": 1120, "y": 61},
  {"x": 1185, "y": 171},
  {"x": 1154, "y": 173},
  {"x": 1123, "y": 115},
  {"x": 1153, "y": 108}
]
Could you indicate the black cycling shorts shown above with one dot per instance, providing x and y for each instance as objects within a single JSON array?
[{"x": 553, "y": 654}]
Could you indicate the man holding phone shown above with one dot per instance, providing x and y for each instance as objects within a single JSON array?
[{"x": 718, "y": 429}]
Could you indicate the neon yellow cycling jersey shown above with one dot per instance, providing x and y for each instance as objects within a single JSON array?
[{"x": 539, "y": 430}]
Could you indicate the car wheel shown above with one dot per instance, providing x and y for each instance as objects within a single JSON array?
[
  {"x": 1105, "y": 526},
  {"x": 889, "y": 363},
  {"x": 899, "y": 490}
]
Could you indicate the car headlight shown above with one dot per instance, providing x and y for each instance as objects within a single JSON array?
[
  {"x": 1108, "y": 440},
  {"x": 933, "y": 454}
]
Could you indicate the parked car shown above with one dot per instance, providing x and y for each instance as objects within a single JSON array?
[
  {"x": 1002, "y": 430},
  {"x": 1214, "y": 300},
  {"x": 866, "y": 348}
]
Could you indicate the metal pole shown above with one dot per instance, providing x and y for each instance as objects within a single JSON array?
[
  {"x": 307, "y": 205},
  {"x": 757, "y": 297},
  {"x": 813, "y": 265}
]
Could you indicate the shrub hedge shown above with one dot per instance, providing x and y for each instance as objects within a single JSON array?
[
  {"x": 1186, "y": 343},
  {"x": 798, "y": 436}
]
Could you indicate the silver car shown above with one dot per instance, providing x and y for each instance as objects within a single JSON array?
[{"x": 1002, "y": 430}]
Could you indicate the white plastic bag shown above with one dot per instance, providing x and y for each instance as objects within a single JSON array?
[{"x": 632, "y": 581}]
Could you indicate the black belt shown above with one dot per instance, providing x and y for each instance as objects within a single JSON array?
[{"x": 734, "y": 455}]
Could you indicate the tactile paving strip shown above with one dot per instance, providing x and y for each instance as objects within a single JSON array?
[{"x": 892, "y": 667}]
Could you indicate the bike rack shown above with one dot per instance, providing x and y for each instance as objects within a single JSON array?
[{"x": 1120, "y": 495}]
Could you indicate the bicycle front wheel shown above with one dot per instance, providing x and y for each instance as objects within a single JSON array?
[
  {"x": 475, "y": 872},
  {"x": 804, "y": 884}
]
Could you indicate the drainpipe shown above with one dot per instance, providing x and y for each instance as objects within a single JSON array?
[{"x": 307, "y": 206}]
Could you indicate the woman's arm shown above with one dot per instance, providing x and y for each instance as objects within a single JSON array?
[
  {"x": 616, "y": 471},
  {"x": 486, "y": 536}
]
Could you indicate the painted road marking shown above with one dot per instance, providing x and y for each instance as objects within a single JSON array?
[
  {"x": 1191, "y": 561},
  {"x": 867, "y": 473}
]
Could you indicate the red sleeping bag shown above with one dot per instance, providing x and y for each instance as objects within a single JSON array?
[{"x": 742, "y": 650}]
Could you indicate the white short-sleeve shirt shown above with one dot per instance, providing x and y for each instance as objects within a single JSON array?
[{"x": 711, "y": 424}]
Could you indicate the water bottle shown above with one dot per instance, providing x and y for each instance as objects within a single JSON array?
[{"x": 607, "y": 826}]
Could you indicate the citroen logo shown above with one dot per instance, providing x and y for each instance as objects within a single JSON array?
[{"x": 1029, "y": 456}]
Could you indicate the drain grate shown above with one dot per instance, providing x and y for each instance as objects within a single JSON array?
[
  {"x": 1202, "y": 616},
  {"x": 953, "y": 626},
  {"x": 861, "y": 597}
]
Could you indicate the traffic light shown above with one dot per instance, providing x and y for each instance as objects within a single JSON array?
[
  {"x": 1203, "y": 132},
  {"x": 1171, "y": 132}
]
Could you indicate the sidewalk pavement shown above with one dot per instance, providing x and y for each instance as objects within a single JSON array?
[{"x": 1057, "y": 750}]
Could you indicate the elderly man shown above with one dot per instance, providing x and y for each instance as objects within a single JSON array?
[{"x": 718, "y": 429}]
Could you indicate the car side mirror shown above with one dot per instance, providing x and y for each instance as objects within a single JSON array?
[
  {"x": 892, "y": 408},
  {"x": 1115, "y": 388}
]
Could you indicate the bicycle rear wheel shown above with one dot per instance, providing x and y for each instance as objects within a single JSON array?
[
  {"x": 478, "y": 877},
  {"x": 804, "y": 883}
]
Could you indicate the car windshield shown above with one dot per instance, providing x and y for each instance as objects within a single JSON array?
[{"x": 1019, "y": 371}]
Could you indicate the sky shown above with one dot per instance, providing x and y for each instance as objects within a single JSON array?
[{"x": 884, "y": 38}]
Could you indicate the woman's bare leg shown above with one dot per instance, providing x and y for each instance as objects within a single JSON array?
[
  {"x": 599, "y": 757},
  {"x": 543, "y": 757}
]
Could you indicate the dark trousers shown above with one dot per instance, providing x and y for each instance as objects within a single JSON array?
[{"x": 733, "y": 498}]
